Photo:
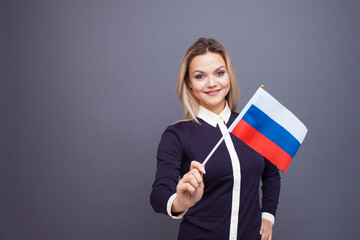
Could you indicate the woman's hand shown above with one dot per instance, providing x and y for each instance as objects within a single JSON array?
[
  {"x": 266, "y": 229},
  {"x": 189, "y": 189}
]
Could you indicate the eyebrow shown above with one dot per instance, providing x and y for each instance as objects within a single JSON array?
[{"x": 204, "y": 72}]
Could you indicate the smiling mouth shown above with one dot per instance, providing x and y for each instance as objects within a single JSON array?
[{"x": 213, "y": 93}]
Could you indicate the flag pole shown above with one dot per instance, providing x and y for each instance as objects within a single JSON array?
[
  {"x": 213, "y": 150},
  {"x": 230, "y": 128}
]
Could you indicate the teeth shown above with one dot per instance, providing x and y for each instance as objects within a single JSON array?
[{"x": 212, "y": 92}]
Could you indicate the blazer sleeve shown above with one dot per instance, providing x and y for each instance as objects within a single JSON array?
[
  {"x": 270, "y": 188},
  {"x": 169, "y": 157}
]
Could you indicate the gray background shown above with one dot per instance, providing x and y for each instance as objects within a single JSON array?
[{"x": 87, "y": 88}]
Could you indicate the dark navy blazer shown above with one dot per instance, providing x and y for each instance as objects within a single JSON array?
[{"x": 186, "y": 141}]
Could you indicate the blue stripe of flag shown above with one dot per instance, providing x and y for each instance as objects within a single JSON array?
[{"x": 272, "y": 130}]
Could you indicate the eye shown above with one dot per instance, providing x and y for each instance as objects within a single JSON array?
[
  {"x": 199, "y": 76},
  {"x": 220, "y": 73}
]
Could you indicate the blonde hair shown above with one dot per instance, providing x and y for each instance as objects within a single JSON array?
[{"x": 184, "y": 93}]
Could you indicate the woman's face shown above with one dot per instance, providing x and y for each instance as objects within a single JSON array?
[{"x": 209, "y": 81}]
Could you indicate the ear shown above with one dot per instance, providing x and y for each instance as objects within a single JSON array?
[{"x": 188, "y": 83}]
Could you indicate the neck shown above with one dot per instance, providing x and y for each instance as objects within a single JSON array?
[{"x": 216, "y": 109}]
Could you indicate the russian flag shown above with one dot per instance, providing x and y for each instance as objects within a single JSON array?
[{"x": 270, "y": 129}]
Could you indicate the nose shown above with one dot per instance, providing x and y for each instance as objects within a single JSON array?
[{"x": 211, "y": 83}]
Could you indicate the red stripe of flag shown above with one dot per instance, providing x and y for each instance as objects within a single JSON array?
[{"x": 262, "y": 145}]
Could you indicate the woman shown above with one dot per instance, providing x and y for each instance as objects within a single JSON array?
[{"x": 221, "y": 202}]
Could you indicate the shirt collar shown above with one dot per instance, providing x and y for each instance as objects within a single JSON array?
[{"x": 212, "y": 118}]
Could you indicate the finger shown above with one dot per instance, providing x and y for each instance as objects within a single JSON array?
[
  {"x": 198, "y": 166},
  {"x": 186, "y": 187},
  {"x": 197, "y": 175},
  {"x": 188, "y": 179},
  {"x": 263, "y": 236},
  {"x": 266, "y": 235},
  {"x": 190, "y": 188},
  {"x": 262, "y": 232},
  {"x": 192, "y": 180}
]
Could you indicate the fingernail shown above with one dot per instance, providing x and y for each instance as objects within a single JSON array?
[
  {"x": 260, "y": 232},
  {"x": 203, "y": 170}
]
